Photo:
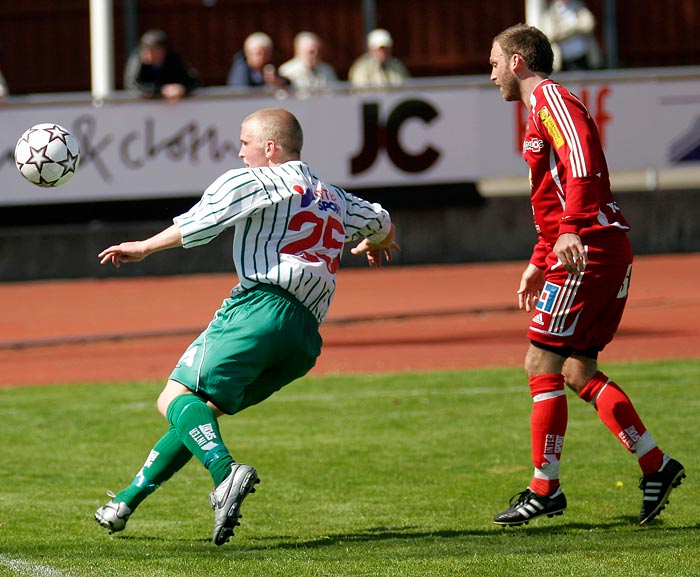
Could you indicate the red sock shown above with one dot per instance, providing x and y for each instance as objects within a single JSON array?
[
  {"x": 547, "y": 427},
  {"x": 618, "y": 413}
]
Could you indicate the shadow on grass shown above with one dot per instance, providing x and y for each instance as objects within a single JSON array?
[{"x": 414, "y": 532}]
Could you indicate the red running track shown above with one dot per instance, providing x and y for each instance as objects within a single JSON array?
[{"x": 418, "y": 318}]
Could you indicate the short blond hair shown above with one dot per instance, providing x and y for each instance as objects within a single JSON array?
[{"x": 280, "y": 126}]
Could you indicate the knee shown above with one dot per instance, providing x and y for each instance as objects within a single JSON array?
[
  {"x": 577, "y": 377},
  {"x": 172, "y": 389},
  {"x": 162, "y": 404},
  {"x": 529, "y": 367},
  {"x": 574, "y": 381}
]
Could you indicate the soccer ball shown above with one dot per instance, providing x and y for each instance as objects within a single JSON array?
[{"x": 47, "y": 155}]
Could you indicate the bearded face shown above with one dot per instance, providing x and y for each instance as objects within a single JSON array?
[
  {"x": 510, "y": 88},
  {"x": 503, "y": 76}
]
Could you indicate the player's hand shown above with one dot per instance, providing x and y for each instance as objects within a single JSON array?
[
  {"x": 376, "y": 250},
  {"x": 571, "y": 253},
  {"x": 531, "y": 284},
  {"x": 124, "y": 252},
  {"x": 136, "y": 251}
]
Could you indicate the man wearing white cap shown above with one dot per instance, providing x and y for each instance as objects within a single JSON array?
[{"x": 377, "y": 67}]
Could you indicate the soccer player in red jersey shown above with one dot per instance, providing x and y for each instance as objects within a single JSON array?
[{"x": 576, "y": 282}]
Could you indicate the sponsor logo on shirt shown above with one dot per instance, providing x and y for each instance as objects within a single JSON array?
[
  {"x": 551, "y": 127},
  {"x": 533, "y": 145},
  {"x": 307, "y": 195},
  {"x": 326, "y": 199}
]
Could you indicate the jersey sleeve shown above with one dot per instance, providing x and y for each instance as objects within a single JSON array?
[
  {"x": 539, "y": 254},
  {"x": 566, "y": 124},
  {"x": 365, "y": 220},
  {"x": 230, "y": 198}
]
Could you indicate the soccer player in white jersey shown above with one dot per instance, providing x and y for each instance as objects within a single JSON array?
[{"x": 289, "y": 230}]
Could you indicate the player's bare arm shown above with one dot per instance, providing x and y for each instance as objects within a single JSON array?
[
  {"x": 136, "y": 251},
  {"x": 375, "y": 250},
  {"x": 531, "y": 284}
]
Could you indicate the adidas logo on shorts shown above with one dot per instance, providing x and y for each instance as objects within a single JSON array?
[{"x": 537, "y": 319}]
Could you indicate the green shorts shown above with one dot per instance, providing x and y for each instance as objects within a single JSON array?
[{"x": 258, "y": 341}]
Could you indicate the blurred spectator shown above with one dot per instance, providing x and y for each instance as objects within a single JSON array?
[
  {"x": 306, "y": 70},
  {"x": 154, "y": 70},
  {"x": 253, "y": 66},
  {"x": 377, "y": 67},
  {"x": 4, "y": 91},
  {"x": 3, "y": 87},
  {"x": 570, "y": 27}
]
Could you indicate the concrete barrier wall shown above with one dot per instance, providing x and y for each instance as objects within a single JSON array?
[{"x": 497, "y": 229}]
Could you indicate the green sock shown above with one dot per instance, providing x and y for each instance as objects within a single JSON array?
[
  {"x": 198, "y": 429},
  {"x": 166, "y": 458}
]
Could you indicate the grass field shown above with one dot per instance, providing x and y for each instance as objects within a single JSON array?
[{"x": 383, "y": 475}]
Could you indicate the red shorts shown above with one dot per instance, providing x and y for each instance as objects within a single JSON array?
[{"x": 582, "y": 311}]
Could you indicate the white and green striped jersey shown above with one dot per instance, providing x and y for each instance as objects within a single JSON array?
[{"x": 289, "y": 228}]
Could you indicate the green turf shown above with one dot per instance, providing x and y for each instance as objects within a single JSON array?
[{"x": 391, "y": 475}]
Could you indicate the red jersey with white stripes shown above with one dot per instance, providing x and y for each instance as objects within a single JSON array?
[{"x": 569, "y": 180}]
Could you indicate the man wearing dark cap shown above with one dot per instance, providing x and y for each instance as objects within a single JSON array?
[{"x": 155, "y": 71}]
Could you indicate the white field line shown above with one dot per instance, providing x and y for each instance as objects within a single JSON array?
[{"x": 28, "y": 569}]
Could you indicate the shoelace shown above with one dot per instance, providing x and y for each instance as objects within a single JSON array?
[{"x": 520, "y": 497}]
